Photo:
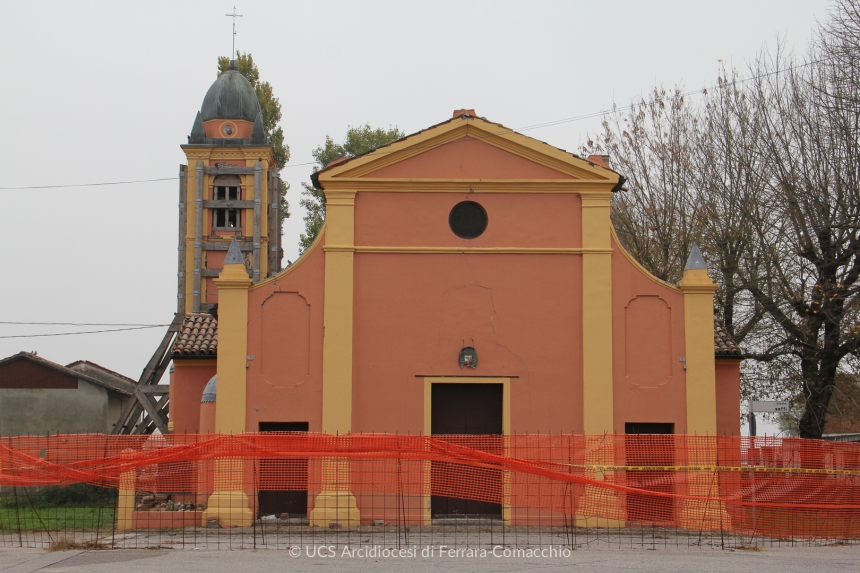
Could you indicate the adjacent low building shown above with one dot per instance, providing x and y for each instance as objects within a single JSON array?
[{"x": 39, "y": 397}]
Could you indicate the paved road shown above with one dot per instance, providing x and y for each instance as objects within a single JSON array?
[{"x": 781, "y": 560}]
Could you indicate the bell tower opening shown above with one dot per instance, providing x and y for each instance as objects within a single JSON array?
[{"x": 226, "y": 193}]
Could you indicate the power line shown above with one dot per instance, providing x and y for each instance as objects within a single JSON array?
[
  {"x": 431, "y": 146},
  {"x": 83, "y": 324},
  {"x": 88, "y": 184},
  {"x": 85, "y": 332}
]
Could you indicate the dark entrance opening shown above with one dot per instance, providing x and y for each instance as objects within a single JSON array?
[
  {"x": 459, "y": 411},
  {"x": 291, "y": 472},
  {"x": 650, "y": 444}
]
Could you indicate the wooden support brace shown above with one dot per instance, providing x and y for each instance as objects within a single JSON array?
[
  {"x": 258, "y": 206},
  {"x": 183, "y": 229},
  {"x": 198, "y": 236}
]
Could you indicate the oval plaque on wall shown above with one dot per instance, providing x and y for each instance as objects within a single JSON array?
[{"x": 468, "y": 358}]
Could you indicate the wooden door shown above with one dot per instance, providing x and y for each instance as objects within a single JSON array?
[
  {"x": 650, "y": 444},
  {"x": 459, "y": 411},
  {"x": 291, "y": 471}
]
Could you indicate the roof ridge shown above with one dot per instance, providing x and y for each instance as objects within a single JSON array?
[
  {"x": 62, "y": 369},
  {"x": 103, "y": 368},
  {"x": 342, "y": 160}
]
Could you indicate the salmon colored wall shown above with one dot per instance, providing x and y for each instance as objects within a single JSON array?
[
  {"x": 186, "y": 388},
  {"x": 215, "y": 259},
  {"x": 514, "y": 220},
  {"x": 285, "y": 335},
  {"x": 728, "y": 374},
  {"x": 647, "y": 340},
  {"x": 211, "y": 290},
  {"x": 413, "y": 313},
  {"x": 207, "y": 417},
  {"x": 468, "y": 158}
]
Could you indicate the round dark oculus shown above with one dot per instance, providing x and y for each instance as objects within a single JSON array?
[
  {"x": 468, "y": 220},
  {"x": 231, "y": 97}
]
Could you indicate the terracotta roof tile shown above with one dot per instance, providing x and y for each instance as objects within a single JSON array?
[
  {"x": 197, "y": 337},
  {"x": 723, "y": 343}
]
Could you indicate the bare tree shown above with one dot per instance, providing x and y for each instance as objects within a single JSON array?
[
  {"x": 729, "y": 181},
  {"x": 650, "y": 144},
  {"x": 764, "y": 174},
  {"x": 806, "y": 278}
]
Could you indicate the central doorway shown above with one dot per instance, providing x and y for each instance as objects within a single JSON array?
[
  {"x": 292, "y": 472},
  {"x": 458, "y": 411}
]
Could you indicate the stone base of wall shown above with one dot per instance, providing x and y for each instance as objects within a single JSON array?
[{"x": 165, "y": 519}]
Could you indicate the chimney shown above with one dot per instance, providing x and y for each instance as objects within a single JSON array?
[
  {"x": 602, "y": 160},
  {"x": 462, "y": 112}
]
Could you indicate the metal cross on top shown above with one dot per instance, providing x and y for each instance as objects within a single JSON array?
[{"x": 234, "y": 16}]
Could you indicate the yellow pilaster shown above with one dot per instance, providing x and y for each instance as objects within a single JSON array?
[
  {"x": 597, "y": 314},
  {"x": 698, "y": 289},
  {"x": 597, "y": 392},
  {"x": 233, "y": 284},
  {"x": 708, "y": 512},
  {"x": 228, "y": 502},
  {"x": 600, "y": 506},
  {"x": 125, "y": 501},
  {"x": 336, "y": 503},
  {"x": 194, "y": 157},
  {"x": 337, "y": 315}
]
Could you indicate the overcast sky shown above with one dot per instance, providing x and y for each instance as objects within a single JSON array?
[{"x": 107, "y": 91}]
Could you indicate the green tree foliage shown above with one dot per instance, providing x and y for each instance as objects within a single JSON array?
[
  {"x": 271, "y": 109},
  {"x": 358, "y": 141}
]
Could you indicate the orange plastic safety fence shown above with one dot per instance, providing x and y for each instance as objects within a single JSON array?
[{"x": 767, "y": 486}]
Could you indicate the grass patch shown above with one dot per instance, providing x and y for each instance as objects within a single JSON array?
[
  {"x": 75, "y": 495},
  {"x": 56, "y": 518}
]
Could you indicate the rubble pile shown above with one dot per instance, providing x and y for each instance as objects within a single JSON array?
[{"x": 162, "y": 502}]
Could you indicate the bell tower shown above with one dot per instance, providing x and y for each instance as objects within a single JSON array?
[{"x": 228, "y": 189}]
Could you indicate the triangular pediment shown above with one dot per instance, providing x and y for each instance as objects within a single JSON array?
[
  {"x": 468, "y": 158},
  {"x": 466, "y": 149}
]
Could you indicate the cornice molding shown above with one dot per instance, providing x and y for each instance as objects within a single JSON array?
[
  {"x": 698, "y": 288},
  {"x": 221, "y": 153},
  {"x": 465, "y": 250},
  {"x": 340, "y": 197},
  {"x": 399, "y": 185},
  {"x": 601, "y": 199}
]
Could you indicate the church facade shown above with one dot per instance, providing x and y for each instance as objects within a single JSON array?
[{"x": 467, "y": 280}]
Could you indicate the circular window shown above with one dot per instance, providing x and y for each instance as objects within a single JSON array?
[
  {"x": 468, "y": 220},
  {"x": 227, "y": 129}
]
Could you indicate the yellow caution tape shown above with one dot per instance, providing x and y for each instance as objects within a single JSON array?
[{"x": 739, "y": 469}]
